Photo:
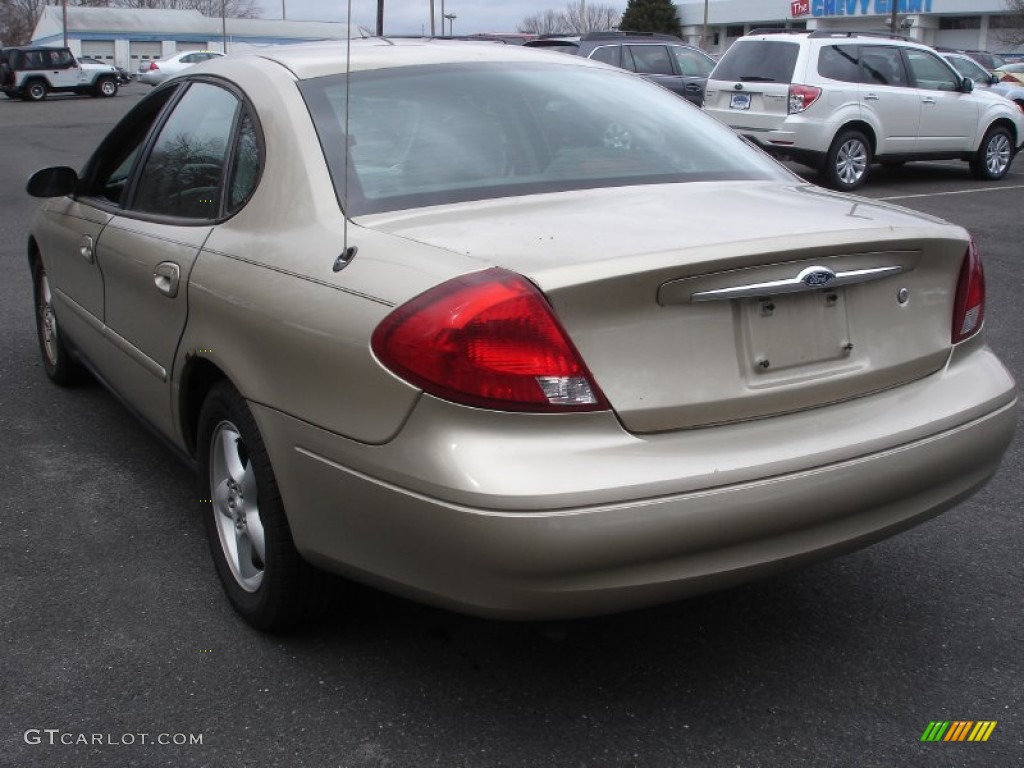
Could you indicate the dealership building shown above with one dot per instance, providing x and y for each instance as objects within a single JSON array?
[
  {"x": 966, "y": 24},
  {"x": 128, "y": 37}
]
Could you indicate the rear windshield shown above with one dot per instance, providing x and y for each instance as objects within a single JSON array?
[
  {"x": 758, "y": 61},
  {"x": 431, "y": 135}
]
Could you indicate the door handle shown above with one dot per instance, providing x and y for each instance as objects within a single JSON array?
[
  {"x": 870, "y": 97},
  {"x": 166, "y": 277},
  {"x": 927, "y": 99},
  {"x": 85, "y": 248}
]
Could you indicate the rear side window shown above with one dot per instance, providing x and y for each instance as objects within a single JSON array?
[
  {"x": 609, "y": 54},
  {"x": 884, "y": 66},
  {"x": 648, "y": 59},
  {"x": 840, "y": 62},
  {"x": 758, "y": 61},
  {"x": 692, "y": 63}
]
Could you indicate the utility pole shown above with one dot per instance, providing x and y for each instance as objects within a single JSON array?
[
  {"x": 704, "y": 31},
  {"x": 223, "y": 25},
  {"x": 380, "y": 18},
  {"x": 432, "y": 30},
  {"x": 893, "y": 23},
  {"x": 284, "y": 12},
  {"x": 442, "y": 18}
]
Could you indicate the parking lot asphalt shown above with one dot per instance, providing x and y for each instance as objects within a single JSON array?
[{"x": 114, "y": 634}]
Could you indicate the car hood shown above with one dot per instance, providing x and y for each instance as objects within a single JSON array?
[{"x": 541, "y": 235}]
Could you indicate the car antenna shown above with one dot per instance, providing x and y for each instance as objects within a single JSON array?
[{"x": 347, "y": 252}]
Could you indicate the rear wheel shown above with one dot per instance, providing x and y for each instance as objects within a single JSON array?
[
  {"x": 106, "y": 86},
  {"x": 58, "y": 364},
  {"x": 35, "y": 90},
  {"x": 993, "y": 158},
  {"x": 848, "y": 161},
  {"x": 265, "y": 578}
]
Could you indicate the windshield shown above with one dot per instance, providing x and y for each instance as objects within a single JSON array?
[{"x": 430, "y": 135}]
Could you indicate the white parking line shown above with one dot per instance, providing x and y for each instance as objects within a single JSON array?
[{"x": 1002, "y": 188}]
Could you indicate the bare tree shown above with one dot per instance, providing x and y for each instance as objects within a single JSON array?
[
  {"x": 18, "y": 20},
  {"x": 578, "y": 18},
  {"x": 546, "y": 23},
  {"x": 1009, "y": 29},
  {"x": 581, "y": 17}
]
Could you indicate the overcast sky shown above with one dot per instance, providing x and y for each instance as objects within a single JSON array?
[{"x": 413, "y": 16}]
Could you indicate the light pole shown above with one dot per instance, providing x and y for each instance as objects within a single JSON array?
[
  {"x": 442, "y": 18},
  {"x": 451, "y": 22},
  {"x": 284, "y": 12},
  {"x": 704, "y": 30},
  {"x": 432, "y": 32},
  {"x": 380, "y": 18},
  {"x": 223, "y": 25}
]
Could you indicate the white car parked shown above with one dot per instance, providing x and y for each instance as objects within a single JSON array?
[
  {"x": 840, "y": 101},
  {"x": 161, "y": 69}
]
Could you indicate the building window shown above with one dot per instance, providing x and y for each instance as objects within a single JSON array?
[
  {"x": 1004, "y": 22},
  {"x": 960, "y": 22},
  {"x": 734, "y": 30}
]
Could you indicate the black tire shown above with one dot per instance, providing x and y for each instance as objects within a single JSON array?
[
  {"x": 995, "y": 154},
  {"x": 273, "y": 589},
  {"x": 848, "y": 162},
  {"x": 60, "y": 367},
  {"x": 106, "y": 87},
  {"x": 10, "y": 95},
  {"x": 34, "y": 90}
]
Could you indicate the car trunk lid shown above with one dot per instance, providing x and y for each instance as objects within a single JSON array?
[{"x": 703, "y": 303}]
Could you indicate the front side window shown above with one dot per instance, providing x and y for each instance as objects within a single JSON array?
[
  {"x": 107, "y": 174},
  {"x": 930, "y": 72},
  {"x": 182, "y": 175},
  {"x": 440, "y": 134},
  {"x": 970, "y": 69},
  {"x": 691, "y": 63}
]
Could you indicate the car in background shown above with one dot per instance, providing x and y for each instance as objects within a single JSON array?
[
  {"x": 841, "y": 101},
  {"x": 32, "y": 72},
  {"x": 155, "y": 72},
  {"x": 513, "y": 333},
  {"x": 982, "y": 78},
  {"x": 1011, "y": 73},
  {"x": 663, "y": 59},
  {"x": 123, "y": 75}
]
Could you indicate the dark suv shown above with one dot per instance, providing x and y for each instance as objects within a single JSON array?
[
  {"x": 663, "y": 59},
  {"x": 30, "y": 73}
]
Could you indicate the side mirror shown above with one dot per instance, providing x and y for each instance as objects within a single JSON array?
[
  {"x": 993, "y": 79},
  {"x": 52, "y": 182},
  {"x": 966, "y": 85}
]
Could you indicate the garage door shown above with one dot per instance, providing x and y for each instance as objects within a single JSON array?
[
  {"x": 184, "y": 46},
  {"x": 140, "y": 51},
  {"x": 103, "y": 50}
]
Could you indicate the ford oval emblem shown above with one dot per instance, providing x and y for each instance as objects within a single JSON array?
[{"x": 817, "y": 277}]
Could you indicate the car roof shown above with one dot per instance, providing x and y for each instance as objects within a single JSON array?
[{"x": 318, "y": 59}]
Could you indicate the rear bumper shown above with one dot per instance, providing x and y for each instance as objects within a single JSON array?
[{"x": 578, "y": 518}]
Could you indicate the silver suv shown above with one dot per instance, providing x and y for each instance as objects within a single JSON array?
[{"x": 840, "y": 101}]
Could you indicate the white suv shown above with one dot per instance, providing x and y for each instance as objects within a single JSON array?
[{"x": 839, "y": 101}]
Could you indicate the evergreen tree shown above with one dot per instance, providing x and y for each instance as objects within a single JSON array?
[{"x": 651, "y": 16}]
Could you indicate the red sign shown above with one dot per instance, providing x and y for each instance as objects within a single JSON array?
[{"x": 800, "y": 7}]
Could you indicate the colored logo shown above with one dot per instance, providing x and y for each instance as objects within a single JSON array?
[
  {"x": 800, "y": 7},
  {"x": 958, "y": 730}
]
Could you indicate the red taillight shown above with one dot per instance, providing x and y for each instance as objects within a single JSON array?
[
  {"x": 153, "y": 67},
  {"x": 801, "y": 97},
  {"x": 969, "y": 308},
  {"x": 488, "y": 339}
]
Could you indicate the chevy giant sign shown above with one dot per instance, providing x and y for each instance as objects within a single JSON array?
[{"x": 866, "y": 7}]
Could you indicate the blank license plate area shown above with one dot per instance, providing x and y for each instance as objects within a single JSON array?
[
  {"x": 739, "y": 101},
  {"x": 795, "y": 330}
]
